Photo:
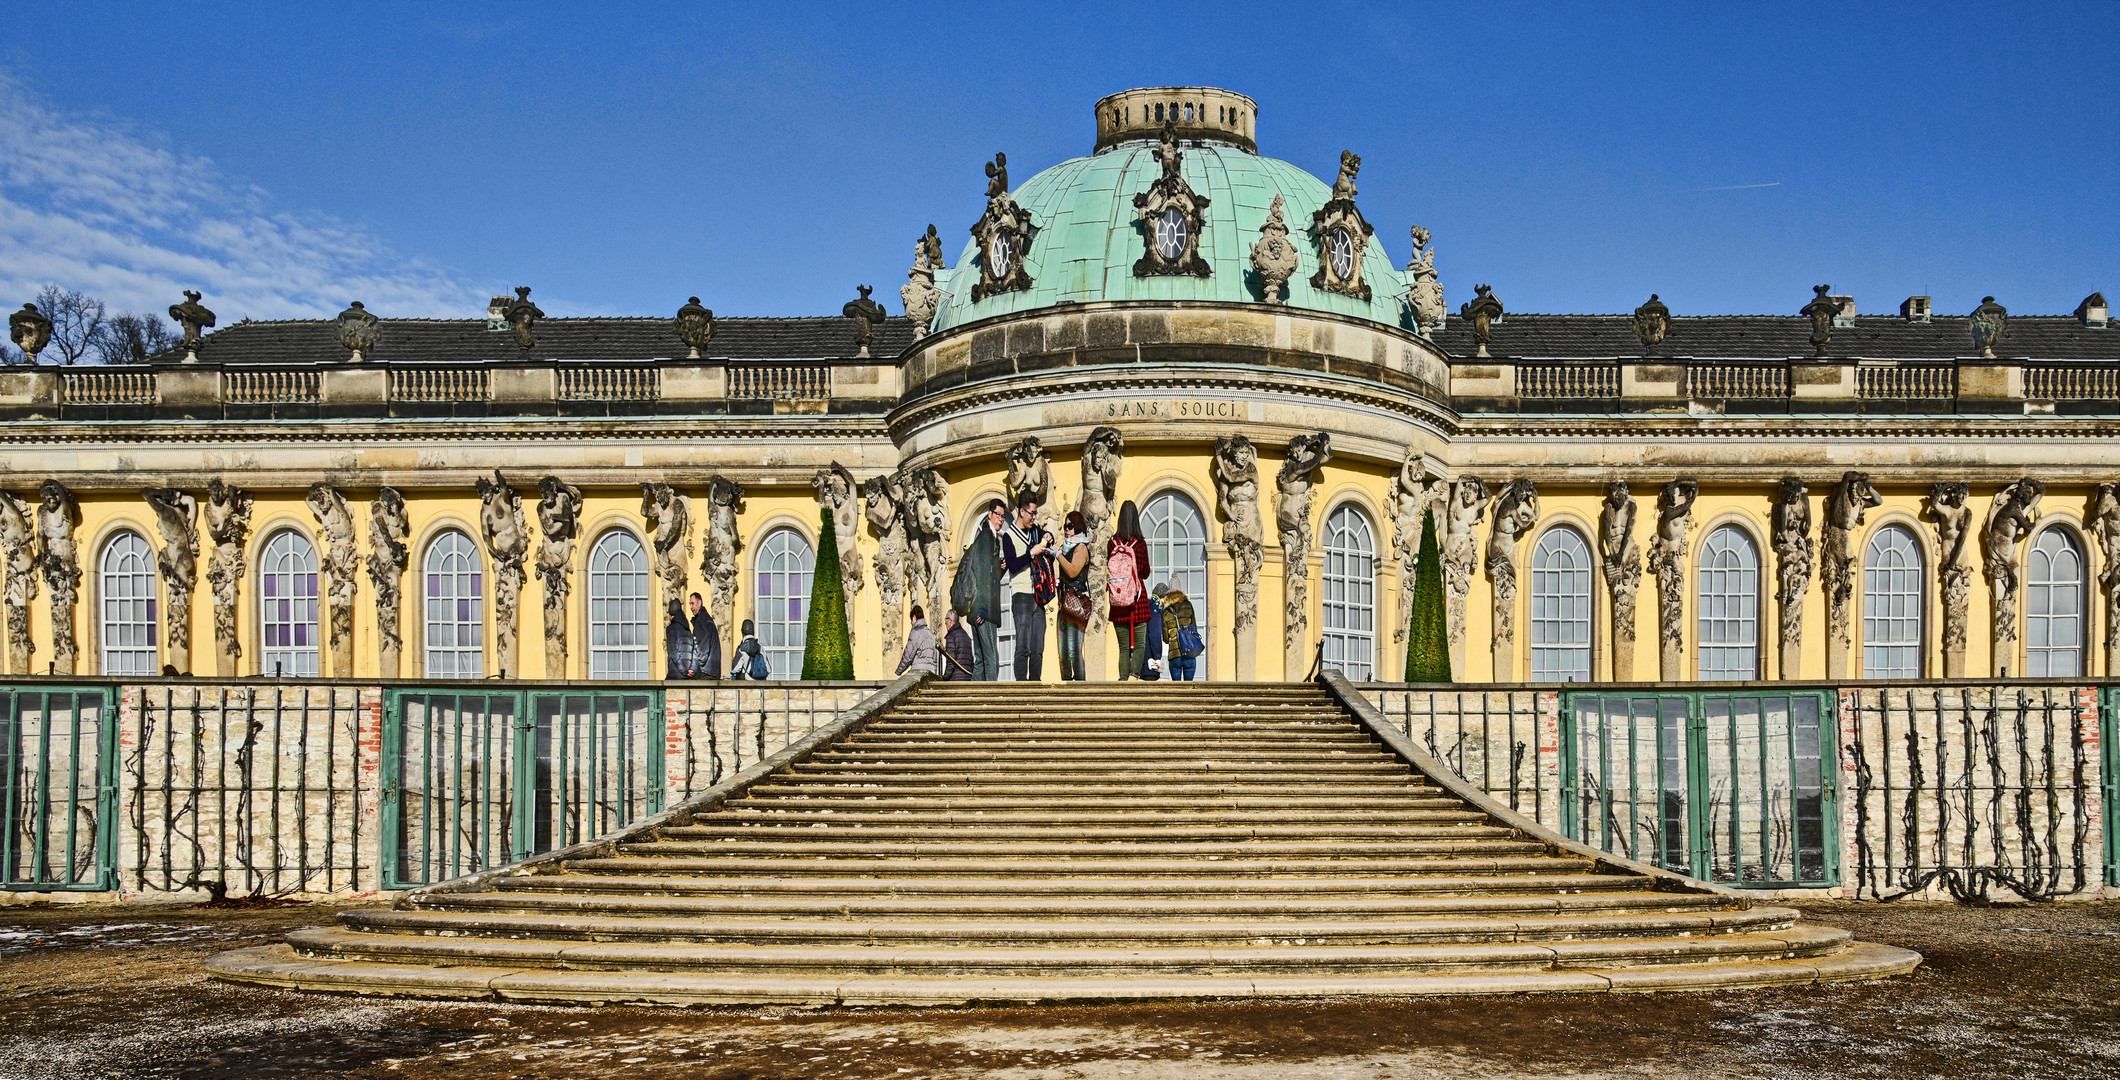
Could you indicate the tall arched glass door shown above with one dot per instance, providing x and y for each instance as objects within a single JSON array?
[
  {"x": 455, "y": 609},
  {"x": 1349, "y": 607},
  {"x": 2054, "y": 588},
  {"x": 1177, "y": 554},
  {"x": 1560, "y": 607},
  {"x": 1728, "y": 604},
  {"x": 287, "y": 606},
  {"x": 785, "y": 563},
  {"x": 127, "y": 589},
  {"x": 618, "y": 607},
  {"x": 1892, "y": 605}
]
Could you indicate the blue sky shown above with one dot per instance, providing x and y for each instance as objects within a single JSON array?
[{"x": 768, "y": 158}]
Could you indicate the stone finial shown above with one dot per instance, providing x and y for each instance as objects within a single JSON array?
[
  {"x": 1822, "y": 309},
  {"x": 1483, "y": 310},
  {"x": 522, "y": 315},
  {"x": 1989, "y": 320},
  {"x": 30, "y": 331},
  {"x": 358, "y": 330},
  {"x": 866, "y": 313},
  {"x": 193, "y": 317},
  {"x": 2092, "y": 311},
  {"x": 695, "y": 327},
  {"x": 1273, "y": 258},
  {"x": 1425, "y": 295},
  {"x": 1652, "y": 322},
  {"x": 919, "y": 294}
]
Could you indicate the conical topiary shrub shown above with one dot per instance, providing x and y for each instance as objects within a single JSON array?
[
  {"x": 826, "y": 653},
  {"x": 1428, "y": 639}
]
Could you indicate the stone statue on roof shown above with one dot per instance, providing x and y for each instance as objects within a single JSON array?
[
  {"x": 522, "y": 315},
  {"x": 193, "y": 317},
  {"x": 866, "y": 313}
]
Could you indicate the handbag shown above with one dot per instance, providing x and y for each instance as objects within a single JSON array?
[
  {"x": 1075, "y": 607},
  {"x": 1189, "y": 643}
]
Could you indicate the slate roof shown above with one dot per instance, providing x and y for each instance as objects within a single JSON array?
[
  {"x": 467, "y": 341},
  {"x": 1778, "y": 337}
]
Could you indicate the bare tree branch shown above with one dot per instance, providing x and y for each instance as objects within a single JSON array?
[
  {"x": 131, "y": 339},
  {"x": 77, "y": 318}
]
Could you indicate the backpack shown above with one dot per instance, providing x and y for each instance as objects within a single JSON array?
[
  {"x": 1043, "y": 584},
  {"x": 1122, "y": 577},
  {"x": 1189, "y": 643},
  {"x": 759, "y": 670}
]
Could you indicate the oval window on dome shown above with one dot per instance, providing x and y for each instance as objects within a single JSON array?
[
  {"x": 1000, "y": 254},
  {"x": 1170, "y": 234},
  {"x": 1342, "y": 252}
]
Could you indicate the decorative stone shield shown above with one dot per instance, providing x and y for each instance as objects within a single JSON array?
[{"x": 1171, "y": 217}]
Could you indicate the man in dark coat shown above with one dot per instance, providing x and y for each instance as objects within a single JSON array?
[
  {"x": 976, "y": 594},
  {"x": 706, "y": 642},
  {"x": 956, "y": 649}
]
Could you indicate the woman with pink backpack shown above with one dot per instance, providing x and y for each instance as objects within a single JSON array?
[{"x": 1126, "y": 579}]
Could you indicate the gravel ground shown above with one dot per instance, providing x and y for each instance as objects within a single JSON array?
[{"x": 116, "y": 991}]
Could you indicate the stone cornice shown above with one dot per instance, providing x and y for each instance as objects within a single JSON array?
[{"x": 526, "y": 429}]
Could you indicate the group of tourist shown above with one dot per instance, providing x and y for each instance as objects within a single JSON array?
[
  {"x": 692, "y": 646},
  {"x": 1013, "y": 557}
]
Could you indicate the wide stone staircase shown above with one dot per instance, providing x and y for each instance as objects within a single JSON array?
[{"x": 994, "y": 842}]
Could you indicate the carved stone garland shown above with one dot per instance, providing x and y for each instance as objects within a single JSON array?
[
  {"x": 2010, "y": 520},
  {"x": 1004, "y": 234},
  {"x": 718, "y": 565},
  {"x": 668, "y": 515},
  {"x": 559, "y": 507},
  {"x": 228, "y": 525},
  {"x": 880, "y": 499},
  {"x": 1236, "y": 475},
  {"x": 1845, "y": 510},
  {"x": 1667, "y": 560},
  {"x": 1462, "y": 511},
  {"x": 840, "y": 494},
  {"x": 387, "y": 556},
  {"x": 1621, "y": 558},
  {"x": 1793, "y": 552},
  {"x": 1273, "y": 256},
  {"x": 1515, "y": 512},
  {"x": 176, "y": 515},
  {"x": 1342, "y": 236},
  {"x": 500, "y": 520},
  {"x": 1172, "y": 218},
  {"x": 342, "y": 566},
  {"x": 1102, "y": 456},
  {"x": 1953, "y": 521},
  {"x": 18, "y": 549}
]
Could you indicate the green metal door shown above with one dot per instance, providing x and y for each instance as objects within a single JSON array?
[
  {"x": 474, "y": 780},
  {"x": 1733, "y": 787},
  {"x": 2108, "y": 728},
  {"x": 58, "y": 825}
]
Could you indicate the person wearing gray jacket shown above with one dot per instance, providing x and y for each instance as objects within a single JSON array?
[{"x": 920, "y": 651}]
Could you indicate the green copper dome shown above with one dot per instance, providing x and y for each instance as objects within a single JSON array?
[{"x": 1087, "y": 240}]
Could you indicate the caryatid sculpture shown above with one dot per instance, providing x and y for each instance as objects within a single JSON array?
[
  {"x": 342, "y": 566},
  {"x": 881, "y": 498},
  {"x": 839, "y": 493},
  {"x": 928, "y": 526},
  {"x": 1793, "y": 552},
  {"x": 668, "y": 514},
  {"x": 1030, "y": 475},
  {"x": 919, "y": 293},
  {"x": 387, "y": 556},
  {"x": 1413, "y": 491},
  {"x": 1459, "y": 525},
  {"x": 1515, "y": 513},
  {"x": 177, "y": 516},
  {"x": 227, "y": 514},
  {"x": 1845, "y": 509},
  {"x": 718, "y": 566},
  {"x": 1424, "y": 294},
  {"x": 2104, "y": 524},
  {"x": 1621, "y": 559},
  {"x": 18, "y": 579},
  {"x": 1667, "y": 560},
  {"x": 1953, "y": 520},
  {"x": 1102, "y": 456},
  {"x": 1236, "y": 475},
  {"x": 2010, "y": 520},
  {"x": 60, "y": 562},
  {"x": 500, "y": 521},
  {"x": 559, "y": 508},
  {"x": 1306, "y": 455}
]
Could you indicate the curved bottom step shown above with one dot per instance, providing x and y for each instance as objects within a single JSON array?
[{"x": 280, "y": 966}]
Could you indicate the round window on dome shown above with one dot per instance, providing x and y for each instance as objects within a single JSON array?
[
  {"x": 1000, "y": 254},
  {"x": 1170, "y": 234},
  {"x": 1341, "y": 250}
]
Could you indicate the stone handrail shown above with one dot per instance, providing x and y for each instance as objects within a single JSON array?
[
  {"x": 107, "y": 387},
  {"x": 778, "y": 381},
  {"x": 271, "y": 387},
  {"x": 610, "y": 382},
  {"x": 441, "y": 384}
]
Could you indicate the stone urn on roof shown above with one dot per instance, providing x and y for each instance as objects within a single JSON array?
[
  {"x": 358, "y": 330},
  {"x": 695, "y": 326},
  {"x": 30, "y": 331}
]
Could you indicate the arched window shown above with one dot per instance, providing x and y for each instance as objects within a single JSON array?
[
  {"x": 2053, "y": 606},
  {"x": 618, "y": 607},
  {"x": 1177, "y": 553},
  {"x": 1350, "y": 601},
  {"x": 128, "y": 592},
  {"x": 456, "y": 609},
  {"x": 1560, "y": 607},
  {"x": 287, "y": 607},
  {"x": 785, "y": 563},
  {"x": 1891, "y": 605},
  {"x": 1729, "y": 606}
]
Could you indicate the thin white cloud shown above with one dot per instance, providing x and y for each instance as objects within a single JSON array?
[
  {"x": 96, "y": 205},
  {"x": 1732, "y": 187}
]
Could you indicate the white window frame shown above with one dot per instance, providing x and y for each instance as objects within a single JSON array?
[
  {"x": 288, "y": 587},
  {"x": 1562, "y": 606},
  {"x": 618, "y": 599},
  {"x": 1348, "y": 605},
  {"x": 454, "y": 646},
  {"x": 2046, "y": 588},
  {"x": 127, "y": 580},
  {"x": 1894, "y": 605},
  {"x": 1726, "y": 606},
  {"x": 784, "y": 568}
]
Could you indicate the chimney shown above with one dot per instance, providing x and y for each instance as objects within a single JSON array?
[
  {"x": 2091, "y": 312},
  {"x": 1915, "y": 309},
  {"x": 1846, "y": 318},
  {"x": 497, "y": 313}
]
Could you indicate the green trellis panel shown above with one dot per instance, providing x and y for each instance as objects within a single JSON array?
[{"x": 58, "y": 825}]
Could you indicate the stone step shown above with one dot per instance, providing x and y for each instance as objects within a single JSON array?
[
  {"x": 1498, "y": 842},
  {"x": 970, "y": 742},
  {"x": 1361, "y": 804},
  {"x": 824, "y": 829},
  {"x": 278, "y": 965},
  {"x": 578, "y": 871},
  {"x": 1084, "y": 886},
  {"x": 1605, "y": 923},
  {"x": 800, "y": 815},
  {"x": 1145, "y": 772},
  {"x": 864, "y": 757}
]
